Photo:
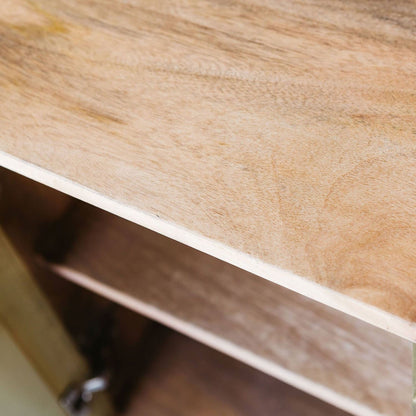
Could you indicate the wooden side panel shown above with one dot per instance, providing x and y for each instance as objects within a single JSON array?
[
  {"x": 355, "y": 366},
  {"x": 276, "y": 135}
]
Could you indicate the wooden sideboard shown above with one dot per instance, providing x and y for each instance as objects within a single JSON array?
[{"x": 248, "y": 169}]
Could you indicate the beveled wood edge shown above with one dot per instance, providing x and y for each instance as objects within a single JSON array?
[{"x": 356, "y": 308}]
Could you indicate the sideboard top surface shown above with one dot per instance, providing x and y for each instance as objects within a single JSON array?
[{"x": 279, "y": 136}]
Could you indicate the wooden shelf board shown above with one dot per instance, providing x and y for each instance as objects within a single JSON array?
[
  {"x": 188, "y": 378},
  {"x": 315, "y": 348}
]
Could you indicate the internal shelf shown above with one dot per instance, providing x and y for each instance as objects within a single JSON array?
[
  {"x": 188, "y": 379},
  {"x": 350, "y": 364}
]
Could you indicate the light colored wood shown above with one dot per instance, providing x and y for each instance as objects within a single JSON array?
[
  {"x": 22, "y": 390},
  {"x": 359, "y": 368},
  {"x": 276, "y": 135},
  {"x": 26, "y": 314},
  {"x": 188, "y": 379}
]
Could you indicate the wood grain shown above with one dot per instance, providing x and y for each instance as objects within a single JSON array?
[
  {"x": 189, "y": 379},
  {"x": 359, "y": 368},
  {"x": 276, "y": 135}
]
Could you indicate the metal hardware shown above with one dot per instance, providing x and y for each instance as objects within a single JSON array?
[{"x": 76, "y": 398}]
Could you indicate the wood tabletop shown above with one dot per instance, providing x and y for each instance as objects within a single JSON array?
[{"x": 279, "y": 136}]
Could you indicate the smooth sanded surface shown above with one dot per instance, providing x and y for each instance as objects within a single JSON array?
[
  {"x": 361, "y": 369},
  {"x": 279, "y": 135}
]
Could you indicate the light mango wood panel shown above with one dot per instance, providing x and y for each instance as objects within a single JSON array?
[
  {"x": 189, "y": 379},
  {"x": 28, "y": 317},
  {"x": 357, "y": 367},
  {"x": 22, "y": 390},
  {"x": 276, "y": 135}
]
